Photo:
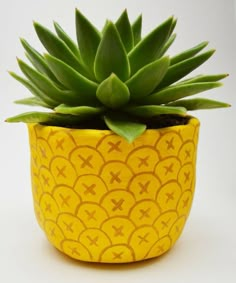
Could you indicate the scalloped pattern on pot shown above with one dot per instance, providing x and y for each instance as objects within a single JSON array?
[{"x": 101, "y": 199}]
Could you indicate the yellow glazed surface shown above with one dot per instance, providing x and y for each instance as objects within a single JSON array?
[{"x": 100, "y": 199}]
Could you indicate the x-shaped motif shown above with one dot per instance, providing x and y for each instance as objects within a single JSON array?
[
  {"x": 143, "y": 161},
  {"x": 187, "y": 176},
  {"x": 185, "y": 202},
  {"x": 188, "y": 153},
  {"x": 115, "y": 177},
  {"x": 169, "y": 169},
  {"x": 60, "y": 143},
  {"x": 53, "y": 234},
  {"x": 144, "y": 213},
  {"x": 118, "y": 231},
  {"x": 93, "y": 241},
  {"x": 86, "y": 161},
  {"x": 117, "y": 204},
  {"x": 165, "y": 224},
  {"x": 117, "y": 255},
  {"x": 170, "y": 196},
  {"x": 143, "y": 239},
  {"x": 114, "y": 146},
  {"x": 161, "y": 248},
  {"x": 89, "y": 189},
  {"x": 61, "y": 172},
  {"x": 170, "y": 144},
  {"x": 45, "y": 180},
  {"x": 91, "y": 214},
  {"x": 48, "y": 207},
  {"x": 74, "y": 251},
  {"x": 43, "y": 152},
  {"x": 69, "y": 227},
  {"x": 144, "y": 187},
  {"x": 65, "y": 200}
]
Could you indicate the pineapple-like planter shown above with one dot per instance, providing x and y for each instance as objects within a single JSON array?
[
  {"x": 113, "y": 160},
  {"x": 100, "y": 199}
]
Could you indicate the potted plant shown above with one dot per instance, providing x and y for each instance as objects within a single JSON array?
[{"x": 113, "y": 161}]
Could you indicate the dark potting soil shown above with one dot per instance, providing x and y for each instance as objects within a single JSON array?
[
  {"x": 161, "y": 121},
  {"x": 164, "y": 121}
]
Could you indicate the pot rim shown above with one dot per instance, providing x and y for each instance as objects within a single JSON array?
[{"x": 193, "y": 121}]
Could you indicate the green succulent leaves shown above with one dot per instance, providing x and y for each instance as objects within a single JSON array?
[
  {"x": 47, "y": 86},
  {"x": 115, "y": 76},
  {"x": 137, "y": 30},
  {"x": 37, "y": 60},
  {"x": 73, "y": 80},
  {"x": 188, "y": 53},
  {"x": 34, "y": 90},
  {"x": 147, "y": 79},
  {"x": 53, "y": 119},
  {"x": 149, "y": 48},
  {"x": 81, "y": 111},
  {"x": 199, "y": 104},
  {"x": 124, "y": 127},
  {"x": 113, "y": 93},
  {"x": 32, "y": 101},
  {"x": 179, "y": 91},
  {"x": 88, "y": 38},
  {"x": 125, "y": 30},
  {"x": 111, "y": 56},
  {"x": 183, "y": 68},
  {"x": 148, "y": 111},
  {"x": 67, "y": 40},
  {"x": 58, "y": 48}
]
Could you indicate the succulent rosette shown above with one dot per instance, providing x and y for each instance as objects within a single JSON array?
[{"x": 114, "y": 78}]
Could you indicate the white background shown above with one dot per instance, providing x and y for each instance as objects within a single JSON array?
[{"x": 206, "y": 251}]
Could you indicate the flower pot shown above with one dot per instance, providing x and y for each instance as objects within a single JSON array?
[{"x": 101, "y": 199}]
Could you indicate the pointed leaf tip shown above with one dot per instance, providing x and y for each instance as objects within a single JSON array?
[
  {"x": 66, "y": 38},
  {"x": 137, "y": 29},
  {"x": 177, "y": 92},
  {"x": 124, "y": 127},
  {"x": 58, "y": 48},
  {"x": 168, "y": 44},
  {"x": 188, "y": 53},
  {"x": 82, "y": 111},
  {"x": 148, "y": 111},
  {"x": 199, "y": 104},
  {"x": 111, "y": 55},
  {"x": 150, "y": 47},
  {"x": 113, "y": 93},
  {"x": 203, "y": 78},
  {"x": 22, "y": 40},
  {"x": 148, "y": 78},
  {"x": 38, "y": 61},
  {"x": 125, "y": 30},
  {"x": 183, "y": 68},
  {"x": 88, "y": 38},
  {"x": 84, "y": 88}
]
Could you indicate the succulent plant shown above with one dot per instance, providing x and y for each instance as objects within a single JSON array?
[{"x": 115, "y": 76}]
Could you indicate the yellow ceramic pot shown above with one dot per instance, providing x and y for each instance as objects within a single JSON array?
[{"x": 101, "y": 199}]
